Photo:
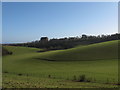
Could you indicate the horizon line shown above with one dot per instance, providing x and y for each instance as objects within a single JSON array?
[{"x": 58, "y": 38}]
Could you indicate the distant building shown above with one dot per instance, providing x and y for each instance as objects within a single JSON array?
[
  {"x": 84, "y": 36},
  {"x": 44, "y": 39}
]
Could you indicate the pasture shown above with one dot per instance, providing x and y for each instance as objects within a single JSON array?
[{"x": 27, "y": 67}]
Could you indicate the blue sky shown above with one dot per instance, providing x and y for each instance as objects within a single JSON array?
[{"x": 28, "y": 21}]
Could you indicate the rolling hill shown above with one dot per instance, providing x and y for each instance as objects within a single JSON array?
[
  {"x": 99, "y": 51},
  {"x": 27, "y": 67}
]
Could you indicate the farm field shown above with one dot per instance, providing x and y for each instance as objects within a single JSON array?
[{"x": 90, "y": 66}]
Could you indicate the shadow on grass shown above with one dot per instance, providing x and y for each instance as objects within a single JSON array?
[{"x": 45, "y": 59}]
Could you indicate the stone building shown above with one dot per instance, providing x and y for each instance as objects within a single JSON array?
[{"x": 44, "y": 39}]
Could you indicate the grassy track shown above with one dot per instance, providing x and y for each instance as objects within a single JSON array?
[{"x": 28, "y": 68}]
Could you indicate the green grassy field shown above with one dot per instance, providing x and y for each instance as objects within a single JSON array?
[
  {"x": 99, "y": 51},
  {"x": 62, "y": 68}
]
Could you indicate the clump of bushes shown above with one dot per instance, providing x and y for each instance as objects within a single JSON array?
[
  {"x": 6, "y": 52},
  {"x": 74, "y": 78},
  {"x": 82, "y": 78},
  {"x": 89, "y": 80},
  {"x": 5, "y": 72},
  {"x": 107, "y": 81},
  {"x": 19, "y": 74},
  {"x": 49, "y": 76}
]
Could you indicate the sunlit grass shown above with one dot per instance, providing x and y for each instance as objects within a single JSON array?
[{"x": 26, "y": 67}]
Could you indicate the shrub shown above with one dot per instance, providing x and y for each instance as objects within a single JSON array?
[
  {"x": 82, "y": 78},
  {"x": 10, "y": 53},
  {"x": 94, "y": 80},
  {"x": 49, "y": 76},
  {"x": 107, "y": 81},
  {"x": 5, "y": 72},
  {"x": 89, "y": 80},
  {"x": 6, "y": 52},
  {"x": 20, "y": 74},
  {"x": 74, "y": 78}
]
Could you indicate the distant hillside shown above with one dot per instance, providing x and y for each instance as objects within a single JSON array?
[
  {"x": 70, "y": 42},
  {"x": 99, "y": 51}
]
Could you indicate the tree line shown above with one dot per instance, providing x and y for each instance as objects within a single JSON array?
[{"x": 70, "y": 42}]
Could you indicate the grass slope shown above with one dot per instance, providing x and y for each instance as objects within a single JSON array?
[
  {"x": 99, "y": 51},
  {"x": 26, "y": 68}
]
